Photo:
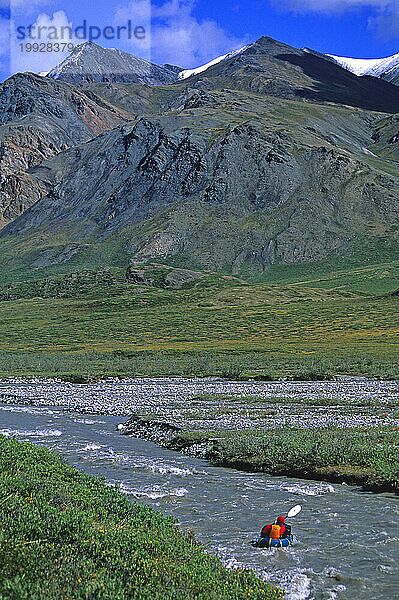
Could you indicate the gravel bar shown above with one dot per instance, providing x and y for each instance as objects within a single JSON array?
[{"x": 178, "y": 400}]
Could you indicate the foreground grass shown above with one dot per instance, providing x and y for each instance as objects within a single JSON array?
[
  {"x": 67, "y": 535},
  {"x": 366, "y": 457}
]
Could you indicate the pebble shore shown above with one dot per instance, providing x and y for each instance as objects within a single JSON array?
[{"x": 178, "y": 401}]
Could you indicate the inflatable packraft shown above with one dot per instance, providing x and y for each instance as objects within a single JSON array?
[{"x": 270, "y": 543}]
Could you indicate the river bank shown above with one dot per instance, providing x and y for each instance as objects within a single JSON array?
[
  {"x": 63, "y": 530},
  {"x": 281, "y": 428},
  {"x": 368, "y": 458},
  {"x": 219, "y": 403},
  {"x": 346, "y": 543}
]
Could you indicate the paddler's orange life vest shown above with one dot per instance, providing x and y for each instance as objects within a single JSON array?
[{"x": 275, "y": 532}]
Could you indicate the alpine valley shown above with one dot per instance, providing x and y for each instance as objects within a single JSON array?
[
  {"x": 205, "y": 260},
  {"x": 268, "y": 176}
]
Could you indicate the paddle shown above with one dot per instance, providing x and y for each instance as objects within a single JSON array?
[{"x": 294, "y": 511}]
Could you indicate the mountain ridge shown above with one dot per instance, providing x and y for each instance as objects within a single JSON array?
[
  {"x": 38, "y": 119},
  {"x": 383, "y": 68},
  {"x": 271, "y": 156},
  {"x": 90, "y": 63}
]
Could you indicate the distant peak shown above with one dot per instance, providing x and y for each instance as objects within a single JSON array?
[
  {"x": 87, "y": 46},
  {"x": 376, "y": 67},
  {"x": 89, "y": 63},
  {"x": 188, "y": 72}
]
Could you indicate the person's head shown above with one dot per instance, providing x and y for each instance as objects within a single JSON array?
[{"x": 280, "y": 521}]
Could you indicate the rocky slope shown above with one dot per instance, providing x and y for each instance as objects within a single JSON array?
[
  {"x": 90, "y": 63},
  {"x": 245, "y": 200},
  {"x": 38, "y": 119},
  {"x": 273, "y": 68},
  {"x": 270, "y": 156}
]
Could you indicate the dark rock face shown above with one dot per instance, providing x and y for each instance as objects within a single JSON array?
[
  {"x": 17, "y": 193},
  {"x": 26, "y": 95},
  {"x": 38, "y": 119},
  {"x": 249, "y": 198},
  {"x": 159, "y": 432}
]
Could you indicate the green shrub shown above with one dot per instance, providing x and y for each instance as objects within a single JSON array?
[
  {"x": 67, "y": 535},
  {"x": 371, "y": 456}
]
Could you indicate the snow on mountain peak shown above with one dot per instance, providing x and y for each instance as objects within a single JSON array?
[
  {"x": 188, "y": 72},
  {"x": 367, "y": 66}
]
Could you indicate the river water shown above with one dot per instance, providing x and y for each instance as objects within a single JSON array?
[{"x": 347, "y": 541}]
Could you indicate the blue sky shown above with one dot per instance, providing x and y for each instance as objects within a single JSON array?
[{"x": 192, "y": 32}]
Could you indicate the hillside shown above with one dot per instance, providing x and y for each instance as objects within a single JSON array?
[
  {"x": 272, "y": 68},
  {"x": 38, "y": 119},
  {"x": 271, "y": 156}
]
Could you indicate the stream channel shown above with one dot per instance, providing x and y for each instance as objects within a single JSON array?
[{"x": 347, "y": 541}]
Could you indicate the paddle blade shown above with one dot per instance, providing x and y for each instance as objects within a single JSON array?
[{"x": 294, "y": 511}]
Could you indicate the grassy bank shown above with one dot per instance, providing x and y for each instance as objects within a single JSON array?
[
  {"x": 366, "y": 457},
  {"x": 82, "y": 367},
  {"x": 293, "y": 431},
  {"x": 67, "y": 535}
]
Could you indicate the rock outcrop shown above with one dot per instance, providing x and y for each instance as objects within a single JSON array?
[{"x": 153, "y": 275}]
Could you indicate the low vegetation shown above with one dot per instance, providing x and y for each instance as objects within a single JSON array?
[
  {"x": 95, "y": 324},
  {"x": 369, "y": 457},
  {"x": 67, "y": 535},
  {"x": 86, "y": 367},
  {"x": 352, "y": 439}
]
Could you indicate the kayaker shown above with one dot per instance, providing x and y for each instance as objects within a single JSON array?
[{"x": 275, "y": 531}]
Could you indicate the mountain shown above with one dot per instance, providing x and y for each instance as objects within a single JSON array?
[
  {"x": 90, "y": 63},
  {"x": 270, "y": 67},
  {"x": 271, "y": 156},
  {"x": 184, "y": 74},
  {"x": 265, "y": 67},
  {"x": 39, "y": 118},
  {"x": 384, "y": 68}
]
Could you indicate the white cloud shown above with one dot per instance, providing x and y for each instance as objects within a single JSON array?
[
  {"x": 50, "y": 32},
  {"x": 383, "y": 21},
  {"x": 138, "y": 13},
  {"x": 176, "y": 35},
  {"x": 4, "y": 34},
  {"x": 386, "y": 21},
  {"x": 4, "y": 45}
]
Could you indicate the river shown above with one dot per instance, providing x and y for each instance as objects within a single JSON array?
[{"x": 347, "y": 541}]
